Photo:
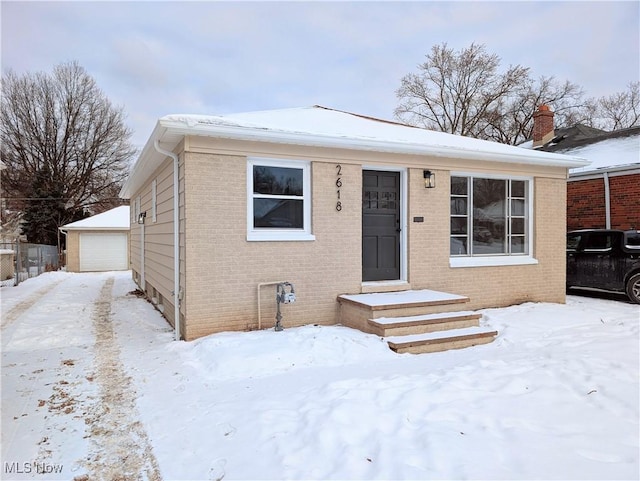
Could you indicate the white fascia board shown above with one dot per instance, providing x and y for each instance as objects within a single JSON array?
[
  {"x": 95, "y": 228},
  {"x": 236, "y": 132}
]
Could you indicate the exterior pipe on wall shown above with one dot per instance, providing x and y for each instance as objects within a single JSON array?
[
  {"x": 176, "y": 239},
  {"x": 259, "y": 307},
  {"x": 607, "y": 201}
]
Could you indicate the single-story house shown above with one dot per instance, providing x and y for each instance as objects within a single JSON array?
[
  {"x": 606, "y": 193},
  {"x": 225, "y": 207},
  {"x": 99, "y": 243}
]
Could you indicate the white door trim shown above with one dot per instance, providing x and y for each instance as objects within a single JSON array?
[{"x": 404, "y": 187}]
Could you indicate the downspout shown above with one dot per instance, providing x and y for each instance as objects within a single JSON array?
[
  {"x": 142, "y": 277},
  {"x": 176, "y": 239},
  {"x": 607, "y": 201}
]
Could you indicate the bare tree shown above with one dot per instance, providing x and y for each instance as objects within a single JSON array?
[
  {"x": 464, "y": 92},
  {"x": 453, "y": 91},
  {"x": 62, "y": 141},
  {"x": 510, "y": 121},
  {"x": 620, "y": 110}
]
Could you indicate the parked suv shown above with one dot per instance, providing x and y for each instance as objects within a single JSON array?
[{"x": 604, "y": 259}]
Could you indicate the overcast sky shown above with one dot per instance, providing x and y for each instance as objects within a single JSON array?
[{"x": 158, "y": 58}]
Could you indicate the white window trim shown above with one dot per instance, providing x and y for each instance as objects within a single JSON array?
[
  {"x": 154, "y": 197},
  {"x": 270, "y": 234},
  {"x": 493, "y": 260}
]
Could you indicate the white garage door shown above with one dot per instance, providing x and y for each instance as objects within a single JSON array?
[{"x": 104, "y": 252}]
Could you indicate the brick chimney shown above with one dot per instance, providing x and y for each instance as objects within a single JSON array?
[{"x": 542, "y": 126}]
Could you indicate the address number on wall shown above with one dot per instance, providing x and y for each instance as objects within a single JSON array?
[{"x": 338, "y": 185}]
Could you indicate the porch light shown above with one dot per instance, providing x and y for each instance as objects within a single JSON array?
[
  {"x": 429, "y": 179},
  {"x": 141, "y": 217}
]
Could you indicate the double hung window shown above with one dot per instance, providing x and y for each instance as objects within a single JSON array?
[
  {"x": 279, "y": 200},
  {"x": 489, "y": 216}
]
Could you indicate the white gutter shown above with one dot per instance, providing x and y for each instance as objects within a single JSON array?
[{"x": 176, "y": 239}]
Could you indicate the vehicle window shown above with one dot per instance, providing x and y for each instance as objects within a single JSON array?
[
  {"x": 572, "y": 242},
  {"x": 632, "y": 240},
  {"x": 598, "y": 242}
]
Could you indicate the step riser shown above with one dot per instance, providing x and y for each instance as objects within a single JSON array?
[
  {"x": 357, "y": 317},
  {"x": 445, "y": 345},
  {"x": 414, "y": 311},
  {"x": 425, "y": 328}
]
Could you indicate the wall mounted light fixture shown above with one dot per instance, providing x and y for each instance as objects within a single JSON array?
[
  {"x": 141, "y": 217},
  {"x": 429, "y": 179}
]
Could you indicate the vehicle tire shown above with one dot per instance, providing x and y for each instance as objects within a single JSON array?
[{"x": 633, "y": 288}]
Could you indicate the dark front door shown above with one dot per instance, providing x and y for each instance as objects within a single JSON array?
[{"x": 380, "y": 225}]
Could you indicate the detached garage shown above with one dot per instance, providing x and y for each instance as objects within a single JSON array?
[{"x": 99, "y": 243}]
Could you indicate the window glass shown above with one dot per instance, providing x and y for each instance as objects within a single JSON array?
[
  {"x": 517, "y": 245},
  {"x": 459, "y": 206},
  {"x": 277, "y": 180},
  {"x": 632, "y": 240},
  {"x": 458, "y": 246},
  {"x": 517, "y": 207},
  {"x": 489, "y": 211},
  {"x": 459, "y": 186},
  {"x": 489, "y": 216},
  {"x": 572, "y": 242},
  {"x": 598, "y": 241},
  {"x": 279, "y": 213}
]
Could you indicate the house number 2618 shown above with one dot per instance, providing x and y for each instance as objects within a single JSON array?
[{"x": 338, "y": 185}]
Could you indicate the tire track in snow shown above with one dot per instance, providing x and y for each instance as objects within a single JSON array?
[
  {"x": 120, "y": 448},
  {"x": 15, "y": 312}
]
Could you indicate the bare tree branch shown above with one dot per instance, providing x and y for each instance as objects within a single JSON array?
[{"x": 61, "y": 129}]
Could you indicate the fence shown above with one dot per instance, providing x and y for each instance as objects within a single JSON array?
[{"x": 29, "y": 260}]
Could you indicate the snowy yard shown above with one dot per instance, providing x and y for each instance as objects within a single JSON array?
[{"x": 94, "y": 387}]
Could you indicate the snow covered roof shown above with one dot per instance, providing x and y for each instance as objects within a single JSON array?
[
  {"x": 606, "y": 151},
  {"x": 617, "y": 152},
  {"x": 114, "y": 219},
  {"x": 319, "y": 126}
]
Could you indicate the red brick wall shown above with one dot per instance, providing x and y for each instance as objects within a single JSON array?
[
  {"x": 625, "y": 201},
  {"x": 586, "y": 203}
]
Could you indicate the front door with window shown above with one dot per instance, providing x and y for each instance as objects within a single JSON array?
[{"x": 380, "y": 225}]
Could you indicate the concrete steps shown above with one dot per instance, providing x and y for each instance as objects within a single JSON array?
[{"x": 416, "y": 321}]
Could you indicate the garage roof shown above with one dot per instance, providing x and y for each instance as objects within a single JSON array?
[{"x": 114, "y": 219}]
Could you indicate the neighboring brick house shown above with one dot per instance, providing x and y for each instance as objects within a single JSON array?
[
  {"x": 605, "y": 194},
  {"x": 336, "y": 203}
]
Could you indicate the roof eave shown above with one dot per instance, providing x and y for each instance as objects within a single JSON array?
[
  {"x": 66, "y": 229},
  {"x": 149, "y": 158},
  {"x": 253, "y": 134}
]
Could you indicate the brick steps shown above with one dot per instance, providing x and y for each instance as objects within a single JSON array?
[{"x": 415, "y": 321}]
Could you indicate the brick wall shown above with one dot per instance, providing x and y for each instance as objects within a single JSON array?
[
  {"x": 586, "y": 203},
  {"x": 625, "y": 201},
  {"x": 224, "y": 269},
  {"x": 488, "y": 286}
]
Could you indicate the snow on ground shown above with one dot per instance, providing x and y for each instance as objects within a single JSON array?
[{"x": 555, "y": 396}]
